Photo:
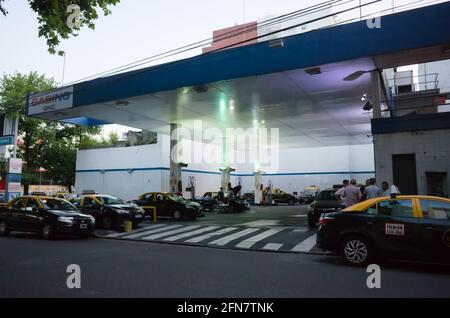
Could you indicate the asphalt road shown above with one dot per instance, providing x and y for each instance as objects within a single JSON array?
[{"x": 31, "y": 267}]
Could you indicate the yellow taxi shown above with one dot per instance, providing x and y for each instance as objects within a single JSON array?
[
  {"x": 169, "y": 205},
  {"x": 411, "y": 227},
  {"x": 109, "y": 211}
]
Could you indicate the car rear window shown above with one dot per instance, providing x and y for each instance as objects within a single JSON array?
[{"x": 327, "y": 196}]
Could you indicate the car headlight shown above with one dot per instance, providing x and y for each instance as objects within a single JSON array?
[
  {"x": 92, "y": 219},
  {"x": 65, "y": 219},
  {"x": 141, "y": 210}
]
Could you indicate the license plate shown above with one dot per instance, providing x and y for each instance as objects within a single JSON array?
[
  {"x": 83, "y": 226},
  {"x": 137, "y": 216}
]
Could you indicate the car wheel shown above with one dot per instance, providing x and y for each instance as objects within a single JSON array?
[
  {"x": 107, "y": 222},
  {"x": 177, "y": 215},
  {"x": 357, "y": 251},
  {"x": 47, "y": 232},
  {"x": 290, "y": 202},
  {"x": 4, "y": 230}
]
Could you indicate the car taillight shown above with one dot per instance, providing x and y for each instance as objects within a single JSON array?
[{"x": 324, "y": 219}]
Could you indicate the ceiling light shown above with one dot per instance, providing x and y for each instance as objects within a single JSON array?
[
  {"x": 354, "y": 76},
  {"x": 313, "y": 71},
  {"x": 122, "y": 103},
  {"x": 201, "y": 88}
]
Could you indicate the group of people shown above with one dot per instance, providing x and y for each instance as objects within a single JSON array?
[{"x": 351, "y": 194}]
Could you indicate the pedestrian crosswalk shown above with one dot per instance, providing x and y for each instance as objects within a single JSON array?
[{"x": 239, "y": 236}]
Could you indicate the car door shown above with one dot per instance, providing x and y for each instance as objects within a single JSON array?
[
  {"x": 32, "y": 216},
  {"x": 17, "y": 220},
  {"x": 162, "y": 205},
  {"x": 147, "y": 203},
  {"x": 89, "y": 205},
  {"x": 397, "y": 228},
  {"x": 435, "y": 221}
]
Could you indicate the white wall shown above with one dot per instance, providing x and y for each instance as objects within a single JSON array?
[{"x": 298, "y": 168}]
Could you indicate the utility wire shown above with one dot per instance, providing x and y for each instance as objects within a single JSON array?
[{"x": 252, "y": 39}]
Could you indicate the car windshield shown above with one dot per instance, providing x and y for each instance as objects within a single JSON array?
[
  {"x": 326, "y": 196},
  {"x": 308, "y": 192},
  {"x": 111, "y": 200},
  {"x": 57, "y": 204},
  {"x": 175, "y": 197}
]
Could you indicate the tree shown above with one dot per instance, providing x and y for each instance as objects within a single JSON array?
[
  {"x": 46, "y": 144},
  {"x": 53, "y": 17}
]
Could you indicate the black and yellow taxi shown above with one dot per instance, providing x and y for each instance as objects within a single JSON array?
[
  {"x": 109, "y": 212},
  {"x": 396, "y": 227},
  {"x": 168, "y": 205},
  {"x": 47, "y": 216}
]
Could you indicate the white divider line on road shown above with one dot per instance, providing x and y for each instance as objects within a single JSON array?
[
  {"x": 227, "y": 239},
  {"x": 161, "y": 229},
  {"x": 209, "y": 235},
  {"x": 306, "y": 245},
  {"x": 255, "y": 239},
  {"x": 272, "y": 246},
  {"x": 142, "y": 229},
  {"x": 168, "y": 233},
  {"x": 192, "y": 233}
]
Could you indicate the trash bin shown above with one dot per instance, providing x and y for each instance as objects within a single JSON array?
[{"x": 128, "y": 226}]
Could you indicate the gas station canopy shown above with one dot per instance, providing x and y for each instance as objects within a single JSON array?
[{"x": 310, "y": 87}]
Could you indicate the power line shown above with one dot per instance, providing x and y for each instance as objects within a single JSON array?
[{"x": 19, "y": 107}]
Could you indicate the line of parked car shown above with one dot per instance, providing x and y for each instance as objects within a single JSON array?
[{"x": 81, "y": 215}]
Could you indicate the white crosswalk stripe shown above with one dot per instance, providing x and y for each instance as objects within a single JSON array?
[
  {"x": 146, "y": 228},
  {"x": 210, "y": 235},
  {"x": 192, "y": 233},
  {"x": 248, "y": 243},
  {"x": 306, "y": 245},
  {"x": 227, "y": 239},
  {"x": 161, "y": 229},
  {"x": 172, "y": 232},
  {"x": 216, "y": 235},
  {"x": 272, "y": 246}
]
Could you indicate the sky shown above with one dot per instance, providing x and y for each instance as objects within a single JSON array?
[{"x": 136, "y": 29}]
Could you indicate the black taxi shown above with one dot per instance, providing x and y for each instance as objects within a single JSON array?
[
  {"x": 109, "y": 212},
  {"x": 46, "y": 216},
  {"x": 402, "y": 227},
  {"x": 169, "y": 205}
]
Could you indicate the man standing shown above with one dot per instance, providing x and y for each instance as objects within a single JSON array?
[
  {"x": 372, "y": 191},
  {"x": 350, "y": 194}
]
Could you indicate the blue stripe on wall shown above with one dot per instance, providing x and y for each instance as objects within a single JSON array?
[{"x": 233, "y": 174}]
